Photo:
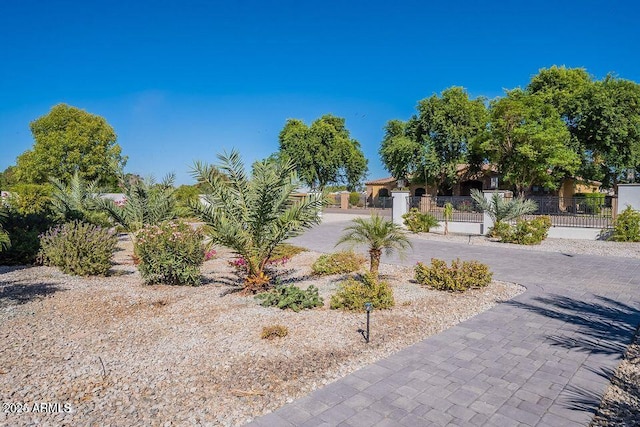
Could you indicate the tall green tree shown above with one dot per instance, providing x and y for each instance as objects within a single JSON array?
[
  {"x": 432, "y": 144},
  {"x": 602, "y": 116},
  {"x": 529, "y": 142},
  {"x": 252, "y": 214},
  {"x": 69, "y": 140},
  {"x": 400, "y": 152},
  {"x": 323, "y": 153}
]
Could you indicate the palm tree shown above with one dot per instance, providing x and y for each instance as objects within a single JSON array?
[
  {"x": 501, "y": 209},
  {"x": 147, "y": 203},
  {"x": 253, "y": 214},
  {"x": 379, "y": 234},
  {"x": 76, "y": 200}
]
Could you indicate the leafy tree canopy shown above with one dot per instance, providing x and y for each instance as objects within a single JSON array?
[
  {"x": 602, "y": 116},
  {"x": 324, "y": 153},
  {"x": 67, "y": 140},
  {"x": 529, "y": 141},
  {"x": 437, "y": 139}
]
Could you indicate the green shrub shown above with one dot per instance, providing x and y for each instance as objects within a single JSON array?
[
  {"x": 29, "y": 199},
  {"x": 626, "y": 227},
  {"x": 79, "y": 248},
  {"x": 24, "y": 231},
  {"x": 418, "y": 222},
  {"x": 528, "y": 232},
  {"x": 286, "y": 250},
  {"x": 459, "y": 277},
  {"x": 170, "y": 253},
  {"x": 338, "y": 263},
  {"x": 354, "y": 199},
  {"x": 292, "y": 297},
  {"x": 501, "y": 230},
  {"x": 593, "y": 202},
  {"x": 274, "y": 331},
  {"x": 354, "y": 292}
]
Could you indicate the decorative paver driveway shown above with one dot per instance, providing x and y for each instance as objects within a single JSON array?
[{"x": 542, "y": 359}]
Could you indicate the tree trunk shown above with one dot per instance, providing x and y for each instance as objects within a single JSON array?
[{"x": 375, "y": 255}]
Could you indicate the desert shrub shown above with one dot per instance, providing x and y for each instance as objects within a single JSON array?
[
  {"x": 23, "y": 231},
  {"x": 465, "y": 206},
  {"x": 79, "y": 248},
  {"x": 286, "y": 250},
  {"x": 274, "y": 331},
  {"x": 337, "y": 263},
  {"x": 354, "y": 198},
  {"x": 170, "y": 253},
  {"x": 418, "y": 222},
  {"x": 459, "y": 277},
  {"x": 283, "y": 297},
  {"x": 528, "y": 232},
  {"x": 626, "y": 227},
  {"x": 501, "y": 230},
  {"x": 354, "y": 292}
]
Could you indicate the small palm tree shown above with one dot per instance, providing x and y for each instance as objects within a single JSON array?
[
  {"x": 253, "y": 214},
  {"x": 76, "y": 200},
  {"x": 501, "y": 209},
  {"x": 147, "y": 203},
  {"x": 379, "y": 234}
]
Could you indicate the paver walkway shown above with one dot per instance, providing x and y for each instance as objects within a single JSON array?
[{"x": 542, "y": 359}]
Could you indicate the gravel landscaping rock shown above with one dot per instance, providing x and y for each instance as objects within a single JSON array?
[
  {"x": 620, "y": 405},
  {"x": 117, "y": 352}
]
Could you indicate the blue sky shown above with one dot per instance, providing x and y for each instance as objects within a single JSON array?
[{"x": 182, "y": 81}]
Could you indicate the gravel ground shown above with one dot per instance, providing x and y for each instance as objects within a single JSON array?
[
  {"x": 620, "y": 405},
  {"x": 117, "y": 352},
  {"x": 569, "y": 246}
]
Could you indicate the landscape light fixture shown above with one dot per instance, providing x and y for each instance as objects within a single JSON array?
[{"x": 368, "y": 307}]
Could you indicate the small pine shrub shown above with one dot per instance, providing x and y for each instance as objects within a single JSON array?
[
  {"x": 78, "y": 248},
  {"x": 459, "y": 277},
  {"x": 291, "y": 297},
  {"x": 274, "y": 331},
  {"x": 528, "y": 232},
  {"x": 170, "y": 253},
  {"x": 338, "y": 263},
  {"x": 626, "y": 227},
  {"x": 354, "y": 292},
  {"x": 418, "y": 222}
]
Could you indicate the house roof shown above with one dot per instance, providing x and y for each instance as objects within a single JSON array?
[{"x": 381, "y": 181}]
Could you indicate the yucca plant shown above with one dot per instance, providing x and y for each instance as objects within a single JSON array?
[
  {"x": 448, "y": 216},
  {"x": 147, "y": 203},
  {"x": 76, "y": 200},
  {"x": 378, "y": 234},
  {"x": 252, "y": 214},
  {"x": 501, "y": 209}
]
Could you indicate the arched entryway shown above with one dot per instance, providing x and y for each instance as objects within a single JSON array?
[{"x": 467, "y": 186}]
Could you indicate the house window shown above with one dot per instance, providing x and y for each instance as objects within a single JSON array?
[{"x": 494, "y": 182}]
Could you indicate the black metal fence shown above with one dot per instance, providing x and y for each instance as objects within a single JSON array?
[{"x": 587, "y": 212}]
